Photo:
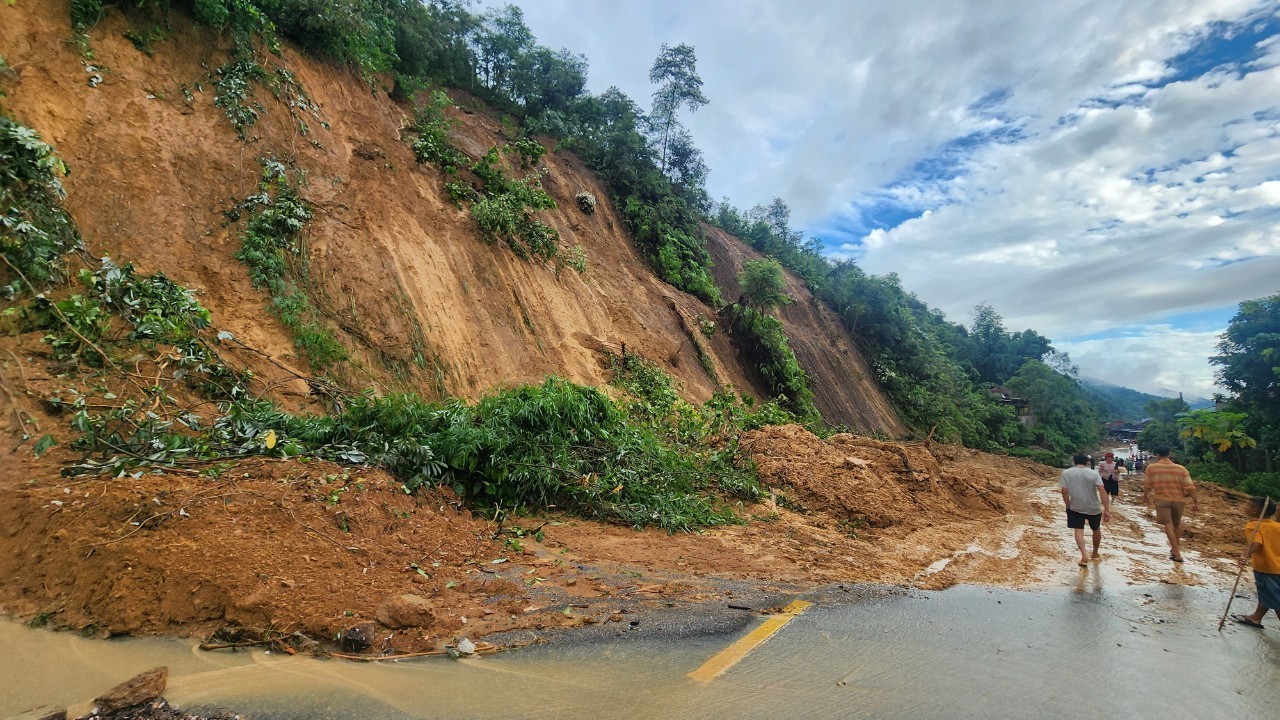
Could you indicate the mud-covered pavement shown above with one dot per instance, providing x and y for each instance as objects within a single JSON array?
[
  {"x": 318, "y": 549},
  {"x": 966, "y": 652},
  {"x": 1136, "y": 631}
]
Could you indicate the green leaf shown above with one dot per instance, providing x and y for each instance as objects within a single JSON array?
[{"x": 43, "y": 444}]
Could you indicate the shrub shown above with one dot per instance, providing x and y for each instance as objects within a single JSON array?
[
  {"x": 586, "y": 202},
  {"x": 85, "y": 14},
  {"x": 764, "y": 343},
  {"x": 35, "y": 231},
  {"x": 529, "y": 150},
  {"x": 503, "y": 208},
  {"x": 1221, "y": 473},
  {"x": 271, "y": 247},
  {"x": 431, "y": 126}
]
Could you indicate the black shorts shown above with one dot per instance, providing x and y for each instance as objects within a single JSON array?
[
  {"x": 1111, "y": 486},
  {"x": 1076, "y": 520}
]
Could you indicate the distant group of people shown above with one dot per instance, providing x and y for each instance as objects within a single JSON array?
[
  {"x": 1089, "y": 491},
  {"x": 1136, "y": 462}
]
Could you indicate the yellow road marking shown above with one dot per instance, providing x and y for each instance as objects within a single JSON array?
[{"x": 730, "y": 656}]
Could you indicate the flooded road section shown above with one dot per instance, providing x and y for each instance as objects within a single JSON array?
[
  {"x": 966, "y": 652},
  {"x": 1131, "y": 635}
]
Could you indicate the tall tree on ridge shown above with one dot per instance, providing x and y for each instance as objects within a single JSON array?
[{"x": 675, "y": 72}]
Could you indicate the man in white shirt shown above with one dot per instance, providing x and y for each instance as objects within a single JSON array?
[{"x": 1087, "y": 501}]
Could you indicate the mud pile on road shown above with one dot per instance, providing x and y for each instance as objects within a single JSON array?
[
  {"x": 862, "y": 481},
  {"x": 270, "y": 548},
  {"x": 274, "y": 547}
]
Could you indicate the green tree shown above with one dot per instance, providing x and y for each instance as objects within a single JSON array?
[
  {"x": 688, "y": 170},
  {"x": 1217, "y": 430},
  {"x": 996, "y": 354},
  {"x": 544, "y": 80},
  {"x": 1065, "y": 419},
  {"x": 501, "y": 41},
  {"x": 1162, "y": 431},
  {"x": 675, "y": 72},
  {"x": 1248, "y": 363}
]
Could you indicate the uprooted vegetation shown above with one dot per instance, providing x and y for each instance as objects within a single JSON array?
[{"x": 655, "y": 461}]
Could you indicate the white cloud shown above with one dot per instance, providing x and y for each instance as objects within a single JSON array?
[
  {"x": 1113, "y": 201},
  {"x": 1153, "y": 359},
  {"x": 1065, "y": 229}
]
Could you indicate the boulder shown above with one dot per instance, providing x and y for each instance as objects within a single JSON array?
[
  {"x": 358, "y": 638},
  {"x": 408, "y": 610},
  {"x": 146, "y": 686}
]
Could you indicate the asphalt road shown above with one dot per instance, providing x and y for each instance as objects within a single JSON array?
[{"x": 967, "y": 652}]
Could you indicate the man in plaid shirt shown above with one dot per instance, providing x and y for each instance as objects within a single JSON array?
[{"x": 1169, "y": 484}]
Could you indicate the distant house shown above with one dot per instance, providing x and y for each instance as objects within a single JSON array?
[
  {"x": 1021, "y": 406},
  {"x": 1123, "y": 430}
]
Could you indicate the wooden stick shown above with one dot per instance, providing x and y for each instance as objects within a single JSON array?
[
  {"x": 1240, "y": 572},
  {"x": 378, "y": 658}
]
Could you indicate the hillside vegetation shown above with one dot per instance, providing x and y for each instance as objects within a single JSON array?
[{"x": 367, "y": 259}]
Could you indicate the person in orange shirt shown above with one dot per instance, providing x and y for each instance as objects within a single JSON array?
[
  {"x": 1263, "y": 552},
  {"x": 1170, "y": 484}
]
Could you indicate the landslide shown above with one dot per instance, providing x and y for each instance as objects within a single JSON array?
[
  {"x": 397, "y": 270},
  {"x": 284, "y": 546}
]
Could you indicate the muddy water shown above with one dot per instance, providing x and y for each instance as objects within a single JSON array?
[{"x": 1083, "y": 647}]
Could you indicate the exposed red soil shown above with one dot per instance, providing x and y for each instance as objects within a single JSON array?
[
  {"x": 318, "y": 548},
  {"x": 399, "y": 272}
]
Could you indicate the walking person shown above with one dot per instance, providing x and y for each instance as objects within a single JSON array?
[
  {"x": 1110, "y": 473},
  {"x": 1262, "y": 550},
  {"x": 1087, "y": 501},
  {"x": 1169, "y": 485}
]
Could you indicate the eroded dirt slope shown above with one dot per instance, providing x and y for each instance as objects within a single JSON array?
[
  {"x": 398, "y": 270},
  {"x": 845, "y": 391}
]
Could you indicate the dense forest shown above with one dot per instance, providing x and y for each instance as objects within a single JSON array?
[
  {"x": 940, "y": 374},
  {"x": 1234, "y": 444}
]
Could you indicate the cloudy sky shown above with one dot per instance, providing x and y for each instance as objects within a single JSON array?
[{"x": 1106, "y": 173}]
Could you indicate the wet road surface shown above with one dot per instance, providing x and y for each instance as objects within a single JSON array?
[
  {"x": 1131, "y": 636},
  {"x": 966, "y": 652}
]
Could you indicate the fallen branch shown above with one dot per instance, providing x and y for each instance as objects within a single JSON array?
[
  {"x": 404, "y": 656},
  {"x": 65, "y": 321},
  {"x": 18, "y": 412}
]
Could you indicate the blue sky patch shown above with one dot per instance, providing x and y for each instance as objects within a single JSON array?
[
  {"x": 1198, "y": 321},
  {"x": 1230, "y": 45}
]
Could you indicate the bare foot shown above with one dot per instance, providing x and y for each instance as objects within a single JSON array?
[{"x": 1096, "y": 556}]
